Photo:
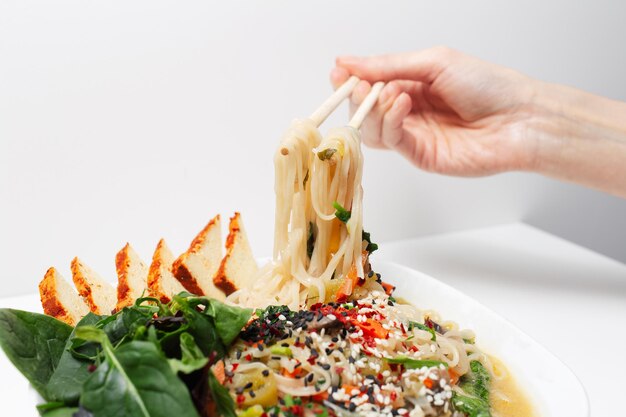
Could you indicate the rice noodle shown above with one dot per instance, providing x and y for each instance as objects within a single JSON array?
[{"x": 307, "y": 186}]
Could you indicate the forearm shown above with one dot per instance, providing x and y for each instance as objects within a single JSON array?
[{"x": 579, "y": 137}]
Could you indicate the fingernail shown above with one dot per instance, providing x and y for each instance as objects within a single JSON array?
[{"x": 384, "y": 95}]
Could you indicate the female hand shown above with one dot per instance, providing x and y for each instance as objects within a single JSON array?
[
  {"x": 445, "y": 111},
  {"x": 454, "y": 114}
]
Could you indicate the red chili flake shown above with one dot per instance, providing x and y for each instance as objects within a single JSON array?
[
  {"x": 402, "y": 328},
  {"x": 241, "y": 398},
  {"x": 339, "y": 369},
  {"x": 235, "y": 366},
  {"x": 248, "y": 357},
  {"x": 379, "y": 376},
  {"x": 393, "y": 395}
]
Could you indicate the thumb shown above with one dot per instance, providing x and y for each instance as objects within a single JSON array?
[{"x": 422, "y": 66}]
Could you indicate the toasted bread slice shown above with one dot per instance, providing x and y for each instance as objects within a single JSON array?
[
  {"x": 60, "y": 300},
  {"x": 238, "y": 266},
  {"x": 196, "y": 267},
  {"x": 99, "y": 295},
  {"x": 132, "y": 277},
  {"x": 162, "y": 283}
]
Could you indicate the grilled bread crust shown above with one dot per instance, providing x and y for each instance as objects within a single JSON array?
[
  {"x": 59, "y": 299},
  {"x": 238, "y": 265}
]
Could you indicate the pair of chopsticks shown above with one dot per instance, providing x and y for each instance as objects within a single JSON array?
[{"x": 340, "y": 95}]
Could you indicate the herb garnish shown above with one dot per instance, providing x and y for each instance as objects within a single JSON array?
[
  {"x": 326, "y": 154},
  {"x": 341, "y": 213}
]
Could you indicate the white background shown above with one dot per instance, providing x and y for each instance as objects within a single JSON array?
[{"x": 131, "y": 121}]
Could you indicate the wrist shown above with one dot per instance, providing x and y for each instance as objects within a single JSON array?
[
  {"x": 578, "y": 137},
  {"x": 546, "y": 127}
]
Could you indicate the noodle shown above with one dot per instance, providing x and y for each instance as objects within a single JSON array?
[{"x": 307, "y": 187}]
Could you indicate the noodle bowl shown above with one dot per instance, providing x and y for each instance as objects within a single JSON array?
[{"x": 329, "y": 339}]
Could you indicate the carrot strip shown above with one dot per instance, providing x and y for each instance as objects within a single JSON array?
[
  {"x": 388, "y": 288},
  {"x": 220, "y": 372},
  {"x": 350, "y": 282}
]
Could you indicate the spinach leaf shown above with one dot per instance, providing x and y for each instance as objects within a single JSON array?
[
  {"x": 51, "y": 405},
  {"x": 471, "y": 406},
  {"x": 192, "y": 357},
  {"x": 66, "y": 382},
  {"x": 341, "y": 213},
  {"x": 203, "y": 329},
  {"x": 58, "y": 409},
  {"x": 62, "y": 412},
  {"x": 134, "y": 379},
  {"x": 223, "y": 400},
  {"x": 213, "y": 324},
  {"x": 34, "y": 343},
  {"x": 229, "y": 320},
  {"x": 414, "y": 324},
  {"x": 81, "y": 412},
  {"x": 124, "y": 324},
  {"x": 411, "y": 363},
  {"x": 476, "y": 385}
]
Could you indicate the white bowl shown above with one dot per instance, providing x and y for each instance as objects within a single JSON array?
[{"x": 552, "y": 387}]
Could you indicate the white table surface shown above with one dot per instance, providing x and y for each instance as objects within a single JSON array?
[{"x": 570, "y": 299}]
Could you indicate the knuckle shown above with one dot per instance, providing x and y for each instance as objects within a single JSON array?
[{"x": 443, "y": 52}]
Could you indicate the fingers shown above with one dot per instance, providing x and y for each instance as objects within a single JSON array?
[
  {"x": 338, "y": 76},
  {"x": 373, "y": 125},
  {"x": 392, "y": 131},
  {"x": 423, "y": 65}
]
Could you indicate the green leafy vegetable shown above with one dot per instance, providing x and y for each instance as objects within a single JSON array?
[
  {"x": 34, "y": 343},
  {"x": 326, "y": 154},
  {"x": 124, "y": 324},
  {"x": 371, "y": 246},
  {"x": 63, "y": 411},
  {"x": 133, "y": 380},
  {"x": 476, "y": 385},
  {"x": 66, "y": 382},
  {"x": 310, "y": 241},
  {"x": 411, "y": 363},
  {"x": 414, "y": 324},
  {"x": 192, "y": 357},
  {"x": 341, "y": 213},
  {"x": 223, "y": 400},
  {"x": 51, "y": 405},
  {"x": 471, "y": 406},
  {"x": 126, "y": 363},
  {"x": 231, "y": 319},
  {"x": 58, "y": 409}
]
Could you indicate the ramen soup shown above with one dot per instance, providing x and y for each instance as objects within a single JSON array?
[{"x": 328, "y": 337}]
